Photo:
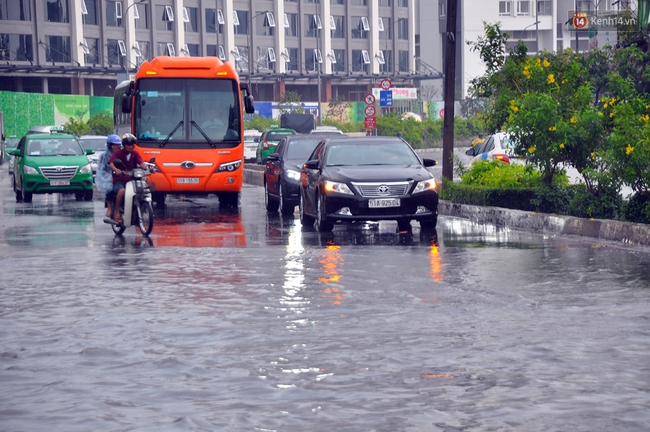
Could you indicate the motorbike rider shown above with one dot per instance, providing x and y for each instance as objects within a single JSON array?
[
  {"x": 131, "y": 159},
  {"x": 104, "y": 177}
]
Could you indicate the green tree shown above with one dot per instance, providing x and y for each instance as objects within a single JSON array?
[
  {"x": 101, "y": 123},
  {"x": 76, "y": 125},
  {"x": 290, "y": 103}
]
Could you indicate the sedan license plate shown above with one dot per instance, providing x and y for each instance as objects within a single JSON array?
[
  {"x": 59, "y": 182},
  {"x": 383, "y": 202},
  {"x": 193, "y": 180}
]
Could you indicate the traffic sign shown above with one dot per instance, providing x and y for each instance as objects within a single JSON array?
[
  {"x": 369, "y": 110},
  {"x": 385, "y": 84},
  {"x": 370, "y": 123},
  {"x": 369, "y": 99},
  {"x": 386, "y": 98}
]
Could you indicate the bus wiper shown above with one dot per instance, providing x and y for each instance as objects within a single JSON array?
[
  {"x": 180, "y": 123},
  {"x": 193, "y": 123}
]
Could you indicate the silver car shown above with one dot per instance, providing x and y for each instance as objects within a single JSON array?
[{"x": 97, "y": 143}]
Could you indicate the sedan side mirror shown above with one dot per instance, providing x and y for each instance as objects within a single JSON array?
[
  {"x": 471, "y": 151},
  {"x": 429, "y": 162},
  {"x": 90, "y": 151},
  {"x": 312, "y": 164}
]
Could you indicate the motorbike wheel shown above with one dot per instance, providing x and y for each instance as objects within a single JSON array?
[
  {"x": 118, "y": 229},
  {"x": 145, "y": 217}
]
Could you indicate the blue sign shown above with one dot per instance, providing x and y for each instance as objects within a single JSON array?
[{"x": 386, "y": 98}]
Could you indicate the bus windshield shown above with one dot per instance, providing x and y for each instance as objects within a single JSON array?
[{"x": 194, "y": 112}]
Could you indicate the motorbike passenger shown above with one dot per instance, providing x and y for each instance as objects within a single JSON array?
[
  {"x": 131, "y": 159},
  {"x": 104, "y": 177}
]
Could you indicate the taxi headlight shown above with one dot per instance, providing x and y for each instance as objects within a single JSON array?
[
  {"x": 342, "y": 188},
  {"x": 426, "y": 185},
  {"x": 86, "y": 169},
  {"x": 29, "y": 170}
]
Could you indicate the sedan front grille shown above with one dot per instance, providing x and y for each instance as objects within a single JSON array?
[
  {"x": 374, "y": 190},
  {"x": 59, "y": 172}
]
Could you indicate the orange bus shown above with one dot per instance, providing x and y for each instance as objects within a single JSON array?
[{"x": 188, "y": 114}]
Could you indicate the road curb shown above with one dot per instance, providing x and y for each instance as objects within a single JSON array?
[{"x": 602, "y": 229}]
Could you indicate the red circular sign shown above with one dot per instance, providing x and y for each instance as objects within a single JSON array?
[
  {"x": 385, "y": 84},
  {"x": 369, "y": 110},
  {"x": 580, "y": 20},
  {"x": 369, "y": 99}
]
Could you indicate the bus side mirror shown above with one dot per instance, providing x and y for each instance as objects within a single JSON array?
[
  {"x": 126, "y": 103},
  {"x": 249, "y": 104}
]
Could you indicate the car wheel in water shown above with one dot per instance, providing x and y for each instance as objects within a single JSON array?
[
  {"x": 285, "y": 208},
  {"x": 429, "y": 224},
  {"x": 229, "y": 199},
  {"x": 27, "y": 197},
  {"x": 79, "y": 196},
  {"x": 306, "y": 220},
  {"x": 145, "y": 218},
  {"x": 404, "y": 225},
  {"x": 270, "y": 203},
  {"x": 88, "y": 195},
  {"x": 323, "y": 224}
]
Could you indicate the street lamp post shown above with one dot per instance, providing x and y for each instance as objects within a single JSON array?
[
  {"x": 126, "y": 29},
  {"x": 250, "y": 49},
  {"x": 536, "y": 32}
]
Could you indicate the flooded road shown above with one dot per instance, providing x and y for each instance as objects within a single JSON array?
[{"x": 243, "y": 322}]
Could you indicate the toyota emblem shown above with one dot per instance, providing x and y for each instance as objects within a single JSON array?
[
  {"x": 188, "y": 164},
  {"x": 383, "y": 189}
]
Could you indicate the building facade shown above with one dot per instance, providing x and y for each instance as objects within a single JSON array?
[{"x": 321, "y": 49}]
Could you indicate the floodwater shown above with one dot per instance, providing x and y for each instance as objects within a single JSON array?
[{"x": 244, "y": 322}]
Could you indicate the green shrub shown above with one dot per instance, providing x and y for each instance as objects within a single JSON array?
[
  {"x": 501, "y": 174},
  {"x": 587, "y": 205},
  {"x": 637, "y": 209}
]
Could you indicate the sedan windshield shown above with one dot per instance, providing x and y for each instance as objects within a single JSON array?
[
  {"x": 54, "y": 147},
  {"x": 371, "y": 154},
  {"x": 97, "y": 144}
]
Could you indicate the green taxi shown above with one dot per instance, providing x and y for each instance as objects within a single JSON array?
[
  {"x": 269, "y": 141},
  {"x": 51, "y": 162}
]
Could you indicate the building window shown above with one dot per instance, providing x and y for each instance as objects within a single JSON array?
[
  {"x": 523, "y": 8},
  {"x": 191, "y": 50},
  {"x": 336, "y": 2},
  {"x": 115, "y": 55},
  {"x": 312, "y": 25},
  {"x": 191, "y": 19},
  {"x": 505, "y": 8},
  {"x": 360, "y": 27},
  {"x": 16, "y": 47},
  {"x": 142, "y": 51},
  {"x": 442, "y": 9},
  {"x": 56, "y": 11},
  {"x": 403, "y": 61},
  {"x": 242, "y": 18},
  {"x": 91, "y": 51},
  {"x": 89, "y": 12},
  {"x": 338, "y": 63},
  {"x": 358, "y": 61},
  {"x": 142, "y": 23},
  {"x": 544, "y": 7},
  {"x": 15, "y": 10},
  {"x": 403, "y": 29},
  {"x": 359, "y": 2},
  {"x": 266, "y": 26},
  {"x": 388, "y": 62},
  {"x": 292, "y": 28},
  {"x": 164, "y": 18},
  {"x": 385, "y": 3},
  {"x": 214, "y": 18},
  {"x": 58, "y": 49},
  {"x": 290, "y": 58},
  {"x": 403, "y": 3},
  {"x": 339, "y": 31},
  {"x": 113, "y": 14}
]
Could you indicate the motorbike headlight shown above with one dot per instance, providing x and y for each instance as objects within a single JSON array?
[
  {"x": 293, "y": 175},
  {"x": 86, "y": 169},
  {"x": 229, "y": 167},
  {"x": 336, "y": 187},
  {"x": 29, "y": 170},
  {"x": 426, "y": 185}
]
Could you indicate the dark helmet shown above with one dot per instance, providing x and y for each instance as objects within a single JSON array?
[
  {"x": 128, "y": 139},
  {"x": 480, "y": 134},
  {"x": 111, "y": 140}
]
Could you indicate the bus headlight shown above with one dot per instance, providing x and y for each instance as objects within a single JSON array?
[{"x": 229, "y": 167}]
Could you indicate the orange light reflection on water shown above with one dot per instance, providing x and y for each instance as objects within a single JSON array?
[
  {"x": 436, "y": 262},
  {"x": 331, "y": 262}
]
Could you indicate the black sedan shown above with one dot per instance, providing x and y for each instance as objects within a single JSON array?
[
  {"x": 367, "y": 179},
  {"x": 282, "y": 171}
]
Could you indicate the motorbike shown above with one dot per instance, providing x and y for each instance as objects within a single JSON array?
[{"x": 137, "y": 209}]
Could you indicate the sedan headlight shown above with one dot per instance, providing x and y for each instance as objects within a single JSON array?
[
  {"x": 29, "y": 170},
  {"x": 426, "y": 185},
  {"x": 86, "y": 169},
  {"x": 293, "y": 175},
  {"x": 331, "y": 186},
  {"x": 230, "y": 166}
]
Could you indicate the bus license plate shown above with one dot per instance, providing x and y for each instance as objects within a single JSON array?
[
  {"x": 383, "y": 202},
  {"x": 193, "y": 180},
  {"x": 59, "y": 182}
]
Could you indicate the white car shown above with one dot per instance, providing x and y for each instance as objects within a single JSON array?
[
  {"x": 98, "y": 144},
  {"x": 251, "y": 138},
  {"x": 496, "y": 147}
]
